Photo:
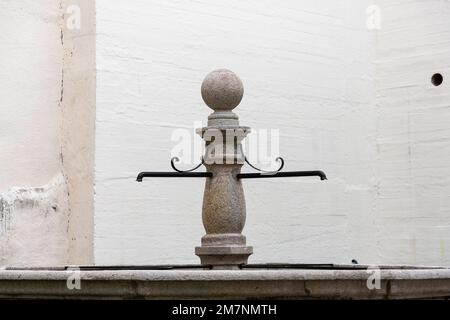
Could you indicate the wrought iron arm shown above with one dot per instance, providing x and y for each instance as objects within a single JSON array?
[
  {"x": 317, "y": 173},
  {"x": 148, "y": 174},
  {"x": 278, "y": 174},
  {"x": 178, "y": 174},
  {"x": 261, "y": 174}
]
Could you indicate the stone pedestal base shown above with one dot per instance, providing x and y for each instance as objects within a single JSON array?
[
  {"x": 224, "y": 251},
  {"x": 224, "y": 257}
]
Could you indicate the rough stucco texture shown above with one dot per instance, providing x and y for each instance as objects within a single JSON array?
[
  {"x": 78, "y": 137},
  {"x": 34, "y": 211},
  {"x": 354, "y": 102},
  {"x": 33, "y": 225},
  {"x": 30, "y": 86},
  {"x": 413, "y": 133}
]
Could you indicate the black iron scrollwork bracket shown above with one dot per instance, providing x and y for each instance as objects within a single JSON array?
[
  {"x": 177, "y": 174},
  {"x": 261, "y": 174},
  {"x": 278, "y": 174}
]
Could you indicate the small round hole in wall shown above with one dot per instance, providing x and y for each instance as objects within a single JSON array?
[{"x": 437, "y": 79}]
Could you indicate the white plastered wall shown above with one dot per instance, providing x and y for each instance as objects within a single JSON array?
[
  {"x": 348, "y": 98},
  {"x": 412, "y": 214},
  {"x": 307, "y": 71},
  {"x": 47, "y": 89},
  {"x": 33, "y": 192},
  {"x": 354, "y": 102}
]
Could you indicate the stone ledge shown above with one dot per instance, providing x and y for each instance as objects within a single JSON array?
[{"x": 396, "y": 283}]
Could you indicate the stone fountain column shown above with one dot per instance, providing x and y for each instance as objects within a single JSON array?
[{"x": 223, "y": 213}]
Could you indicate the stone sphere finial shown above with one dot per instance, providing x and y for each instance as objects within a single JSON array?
[{"x": 222, "y": 90}]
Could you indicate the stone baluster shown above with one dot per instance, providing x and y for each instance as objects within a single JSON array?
[{"x": 223, "y": 213}]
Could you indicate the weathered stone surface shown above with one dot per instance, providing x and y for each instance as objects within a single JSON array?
[
  {"x": 223, "y": 201},
  {"x": 224, "y": 256},
  {"x": 223, "y": 211},
  {"x": 222, "y": 90},
  {"x": 34, "y": 223},
  {"x": 335, "y": 283}
]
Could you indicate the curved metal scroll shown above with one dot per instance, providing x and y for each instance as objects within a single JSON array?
[
  {"x": 176, "y": 159},
  {"x": 279, "y": 159}
]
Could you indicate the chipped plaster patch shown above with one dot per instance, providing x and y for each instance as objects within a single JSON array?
[{"x": 34, "y": 224}]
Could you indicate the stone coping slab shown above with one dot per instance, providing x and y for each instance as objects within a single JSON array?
[{"x": 341, "y": 282}]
